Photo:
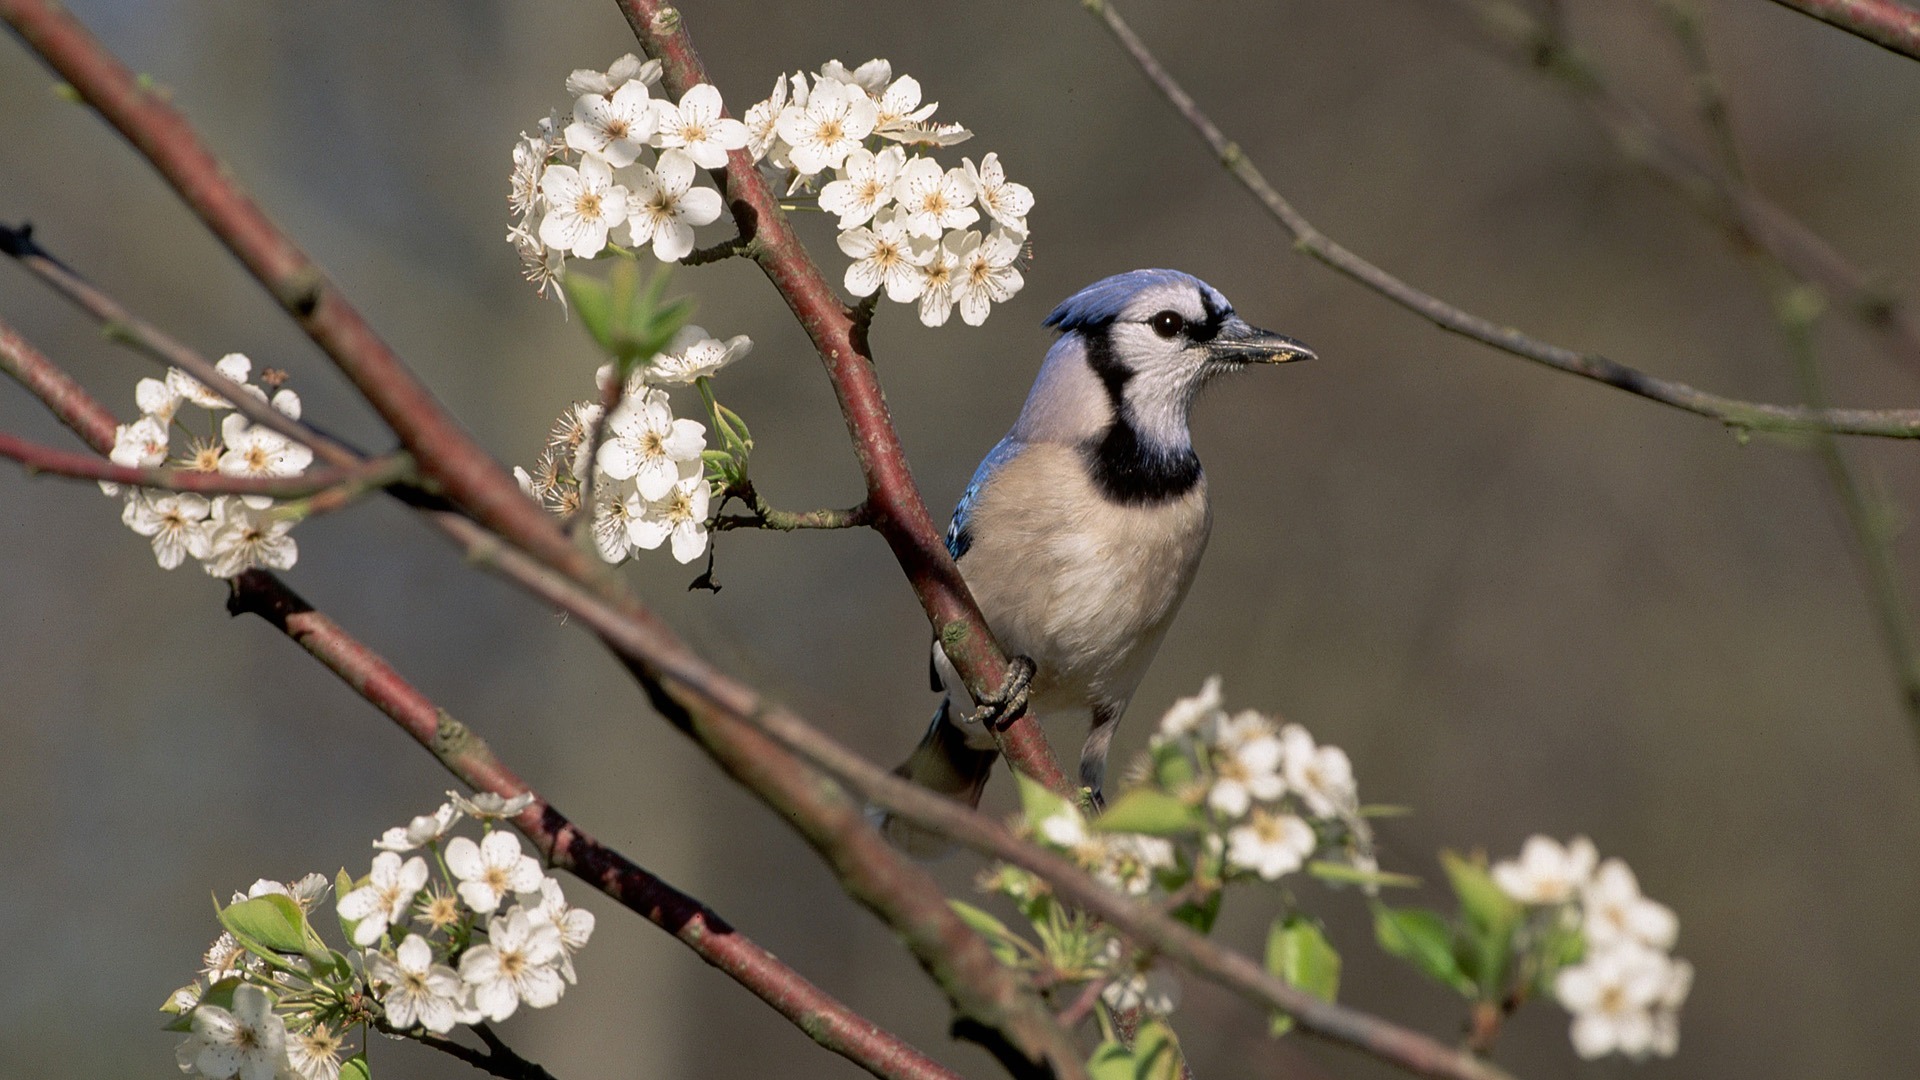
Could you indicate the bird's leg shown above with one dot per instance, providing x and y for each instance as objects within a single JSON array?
[
  {"x": 1010, "y": 702},
  {"x": 1093, "y": 755}
]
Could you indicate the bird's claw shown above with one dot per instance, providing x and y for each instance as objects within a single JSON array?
[{"x": 1011, "y": 702}]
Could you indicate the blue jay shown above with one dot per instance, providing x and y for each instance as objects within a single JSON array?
[{"x": 1081, "y": 530}]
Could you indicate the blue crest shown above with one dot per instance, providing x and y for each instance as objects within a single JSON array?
[{"x": 1102, "y": 302}]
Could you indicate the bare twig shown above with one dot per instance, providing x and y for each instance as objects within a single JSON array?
[
  {"x": 1883, "y": 22},
  {"x": 893, "y": 499},
  {"x": 1746, "y": 415},
  {"x": 765, "y": 516},
  {"x": 498, "y": 1059},
  {"x": 1720, "y": 194},
  {"x": 122, "y": 326},
  {"x": 370, "y": 474}
]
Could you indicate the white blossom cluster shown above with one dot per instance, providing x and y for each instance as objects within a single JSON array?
[
  {"x": 620, "y": 171},
  {"x": 1276, "y": 793},
  {"x": 905, "y": 221},
  {"x": 226, "y": 534},
  {"x": 469, "y": 938},
  {"x": 1626, "y": 992},
  {"x": 1226, "y": 798},
  {"x": 623, "y": 171},
  {"x": 649, "y": 479}
]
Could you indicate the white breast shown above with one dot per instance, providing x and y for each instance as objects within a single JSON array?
[{"x": 1085, "y": 587}]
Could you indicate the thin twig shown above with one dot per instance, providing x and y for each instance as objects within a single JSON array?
[
  {"x": 1883, "y": 22},
  {"x": 372, "y": 473},
  {"x": 1746, "y": 415},
  {"x": 765, "y": 516},
  {"x": 121, "y": 325},
  {"x": 499, "y": 1059}
]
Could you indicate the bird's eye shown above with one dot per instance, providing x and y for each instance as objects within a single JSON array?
[{"x": 1167, "y": 323}]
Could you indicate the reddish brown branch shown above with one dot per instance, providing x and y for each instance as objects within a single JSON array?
[
  {"x": 467, "y": 756},
  {"x": 374, "y": 472},
  {"x": 141, "y": 113},
  {"x": 1883, "y": 22},
  {"x": 68, "y": 400},
  {"x": 893, "y": 498}
]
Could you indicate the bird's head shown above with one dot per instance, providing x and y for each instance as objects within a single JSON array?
[{"x": 1153, "y": 338}]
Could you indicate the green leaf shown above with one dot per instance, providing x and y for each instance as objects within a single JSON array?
[
  {"x": 1156, "y": 1053},
  {"x": 1486, "y": 906},
  {"x": 1154, "y": 813},
  {"x": 1342, "y": 874},
  {"x": 1423, "y": 939},
  {"x": 1201, "y": 914},
  {"x": 1299, "y": 952},
  {"x": 1003, "y": 942},
  {"x": 1037, "y": 801},
  {"x": 275, "y": 923},
  {"x": 1172, "y": 768},
  {"x": 355, "y": 1068},
  {"x": 1110, "y": 1061},
  {"x": 592, "y": 300},
  {"x": 1485, "y": 952}
]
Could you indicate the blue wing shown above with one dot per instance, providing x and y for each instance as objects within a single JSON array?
[{"x": 959, "y": 538}]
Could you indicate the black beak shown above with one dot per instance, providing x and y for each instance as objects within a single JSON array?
[{"x": 1239, "y": 343}]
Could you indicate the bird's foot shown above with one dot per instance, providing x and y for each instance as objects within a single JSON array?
[{"x": 1011, "y": 702}]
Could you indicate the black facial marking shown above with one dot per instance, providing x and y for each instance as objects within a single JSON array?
[
  {"x": 1205, "y": 329},
  {"x": 1125, "y": 468}
]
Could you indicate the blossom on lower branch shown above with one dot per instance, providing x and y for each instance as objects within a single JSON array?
[{"x": 433, "y": 952}]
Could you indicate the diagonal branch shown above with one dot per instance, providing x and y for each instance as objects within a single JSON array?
[
  {"x": 893, "y": 499},
  {"x": 1745, "y": 415},
  {"x": 467, "y": 756},
  {"x": 370, "y": 474},
  {"x": 761, "y": 742},
  {"x": 1883, "y": 22},
  {"x": 447, "y": 455}
]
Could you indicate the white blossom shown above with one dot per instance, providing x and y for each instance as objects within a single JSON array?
[
  {"x": 886, "y": 254},
  {"x": 491, "y": 870},
  {"x": 694, "y": 355},
  {"x": 663, "y": 206},
  {"x": 1666, "y": 1007},
  {"x": 519, "y": 962},
  {"x": 486, "y": 805},
  {"x": 696, "y": 127},
  {"x": 1547, "y": 873},
  {"x": 646, "y": 443},
  {"x": 540, "y": 265},
  {"x": 255, "y": 450},
  {"x": 417, "y": 990},
  {"x": 871, "y": 77},
  {"x": 987, "y": 275},
  {"x": 1154, "y": 990},
  {"x": 424, "y": 829},
  {"x": 1616, "y": 912},
  {"x": 899, "y": 113},
  {"x": 1129, "y": 862},
  {"x": 613, "y": 127},
  {"x": 933, "y": 200},
  {"x": 244, "y": 537},
  {"x": 156, "y": 399},
  {"x": 384, "y": 899},
  {"x": 1005, "y": 202},
  {"x": 141, "y": 444},
  {"x": 612, "y": 535},
  {"x": 832, "y": 123},
  {"x": 530, "y": 156},
  {"x": 1612, "y": 995},
  {"x": 582, "y": 204},
  {"x": 1320, "y": 775},
  {"x": 575, "y": 925},
  {"x": 234, "y": 366},
  {"x": 1270, "y": 844},
  {"x": 1200, "y": 714},
  {"x": 1246, "y": 766},
  {"x": 314, "y": 1053},
  {"x": 763, "y": 119},
  {"x": 627, "y": 69},
  {"x": 248, "y": 1041},
  {"x": 305, "y": 892},
  {"x": 177, "y": 522},
  {"x": 679, "y": 515},
  {"x": 938, "y": 277},
  {"x": 865, "y": 185}
]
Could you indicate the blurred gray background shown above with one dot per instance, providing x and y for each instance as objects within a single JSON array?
[{"x": 1521, "y": 602}]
